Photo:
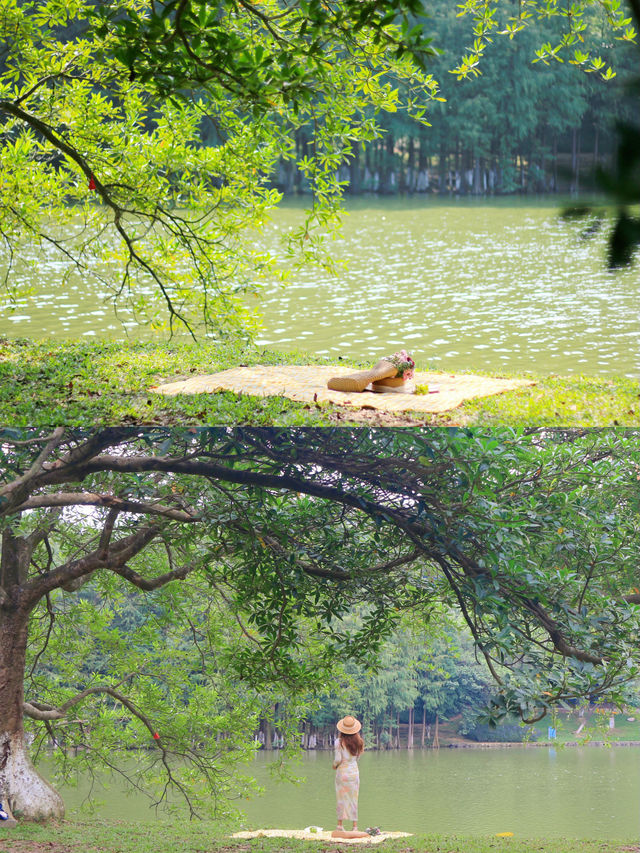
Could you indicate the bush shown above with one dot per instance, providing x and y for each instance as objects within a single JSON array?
[{"x": 509, "y": 733}]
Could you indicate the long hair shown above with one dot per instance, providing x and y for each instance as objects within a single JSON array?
[{"x": 353, "y": 743}]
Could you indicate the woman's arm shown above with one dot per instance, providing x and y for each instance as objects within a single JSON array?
[{"x": 337, "y": 755}]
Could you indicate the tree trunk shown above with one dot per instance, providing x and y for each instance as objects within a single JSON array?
[
  {"x": 424, "y": 725},
  {"x": 355, "y": 184},
  {"x": 436, "y": 739},
  {"x": 411, "y": 165},
  {"x": 22, "y": 788}
]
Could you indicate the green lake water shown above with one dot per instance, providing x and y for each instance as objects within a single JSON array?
[
  {"x": 496, "y": 285},
  {"x": 587, "y": 792}
]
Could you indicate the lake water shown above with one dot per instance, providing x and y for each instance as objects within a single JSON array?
[
  {"x": 496, "y": 285},
  {"x": 586, "y": 792}
]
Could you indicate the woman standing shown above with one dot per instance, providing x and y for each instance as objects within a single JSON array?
[{"x": 348, "y": 749}]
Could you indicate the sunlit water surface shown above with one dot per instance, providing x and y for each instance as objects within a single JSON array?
[{"x": 496, "y": 285}]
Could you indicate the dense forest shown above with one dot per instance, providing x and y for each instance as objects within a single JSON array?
[
  {"x": 519, "y": 126},
  {"x": 423, "y": 676}
]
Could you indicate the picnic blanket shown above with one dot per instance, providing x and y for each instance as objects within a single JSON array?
[
  {"x": 317, "y": 836},
  {"x": 308, "y": 383}
]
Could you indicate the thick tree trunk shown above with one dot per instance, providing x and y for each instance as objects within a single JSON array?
[{"x": 22, "y": 788}]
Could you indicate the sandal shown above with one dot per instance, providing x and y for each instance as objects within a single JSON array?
[
  {"x": 3, "y": 814},
  {"x": 358, "y": 381}
]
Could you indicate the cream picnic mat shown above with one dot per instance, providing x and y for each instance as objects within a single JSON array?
[
  {"x": 306, "y": 835},
  {"x": 308, "y": 384}
]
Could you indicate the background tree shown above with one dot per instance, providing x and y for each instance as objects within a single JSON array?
[
  {"x": 532, "y": 538},
  {"x": 102, "y": 161},
  {"x": 517, "y": 125}
]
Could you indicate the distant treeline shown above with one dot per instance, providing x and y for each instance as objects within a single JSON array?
[
  {"x": 419, "y": 680},
  {"x": 519, "y": 127}
]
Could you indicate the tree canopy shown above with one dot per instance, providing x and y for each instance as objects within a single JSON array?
[
  {"x": 531, "y": 538},
  {"x": 139, "y": 137},
  {"x": 153, "y": 184}
]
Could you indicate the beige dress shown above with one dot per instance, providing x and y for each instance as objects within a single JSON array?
[{"x": 347, "y": 783}]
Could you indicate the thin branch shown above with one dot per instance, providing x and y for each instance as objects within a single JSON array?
[
  {"x": 149, "y": 584},
  {"x": 41, "y": 651}
]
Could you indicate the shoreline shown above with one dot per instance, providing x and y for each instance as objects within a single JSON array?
[
  {"x": 91, "y": 382},
  {"x": 483, "y": 745},
  {"x": 68, "y": 836}
]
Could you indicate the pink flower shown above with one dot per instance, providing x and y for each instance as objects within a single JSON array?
[{"x": 403, "y": 363}]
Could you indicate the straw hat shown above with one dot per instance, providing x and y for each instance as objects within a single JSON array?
[{"x": 349, "y": 725}]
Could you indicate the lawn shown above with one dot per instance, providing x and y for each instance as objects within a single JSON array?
[
  {"x": 78, "y": 382},
  {"x": 596, "y": 728},
  {"x": 205, "y": 837}
]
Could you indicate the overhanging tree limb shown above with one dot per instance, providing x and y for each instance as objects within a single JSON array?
[
  {"x": 105, "y": 500},
  {"x": 117, "y": 555}
]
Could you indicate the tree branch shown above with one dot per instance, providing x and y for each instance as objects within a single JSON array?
[
  {"x": 118, "y": 554},
  {"x": 107, "y": 532},
  {"x": 149, "y": 584},
  {"x": 112, "y": 501},
  {"x": 118, "y": 211},
  {"x": 39, "y": 711},
  {"x": 20, "y": 486}
]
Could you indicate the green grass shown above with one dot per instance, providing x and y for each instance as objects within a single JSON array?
[
  {"x": 596, "y": 728},
  {"x": 196, "y": 837},
  {"x": 562, "y": 401},
  {"x": 80, "y": 382}
]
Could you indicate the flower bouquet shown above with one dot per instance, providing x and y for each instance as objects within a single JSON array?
[{"x": 405, "y": 369}]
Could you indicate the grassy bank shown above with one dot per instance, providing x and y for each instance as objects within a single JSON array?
[
  {"x": 79, "y": 382},
  {"x": 196, "y": 837},
  {"x": 592, "y": 728}
]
